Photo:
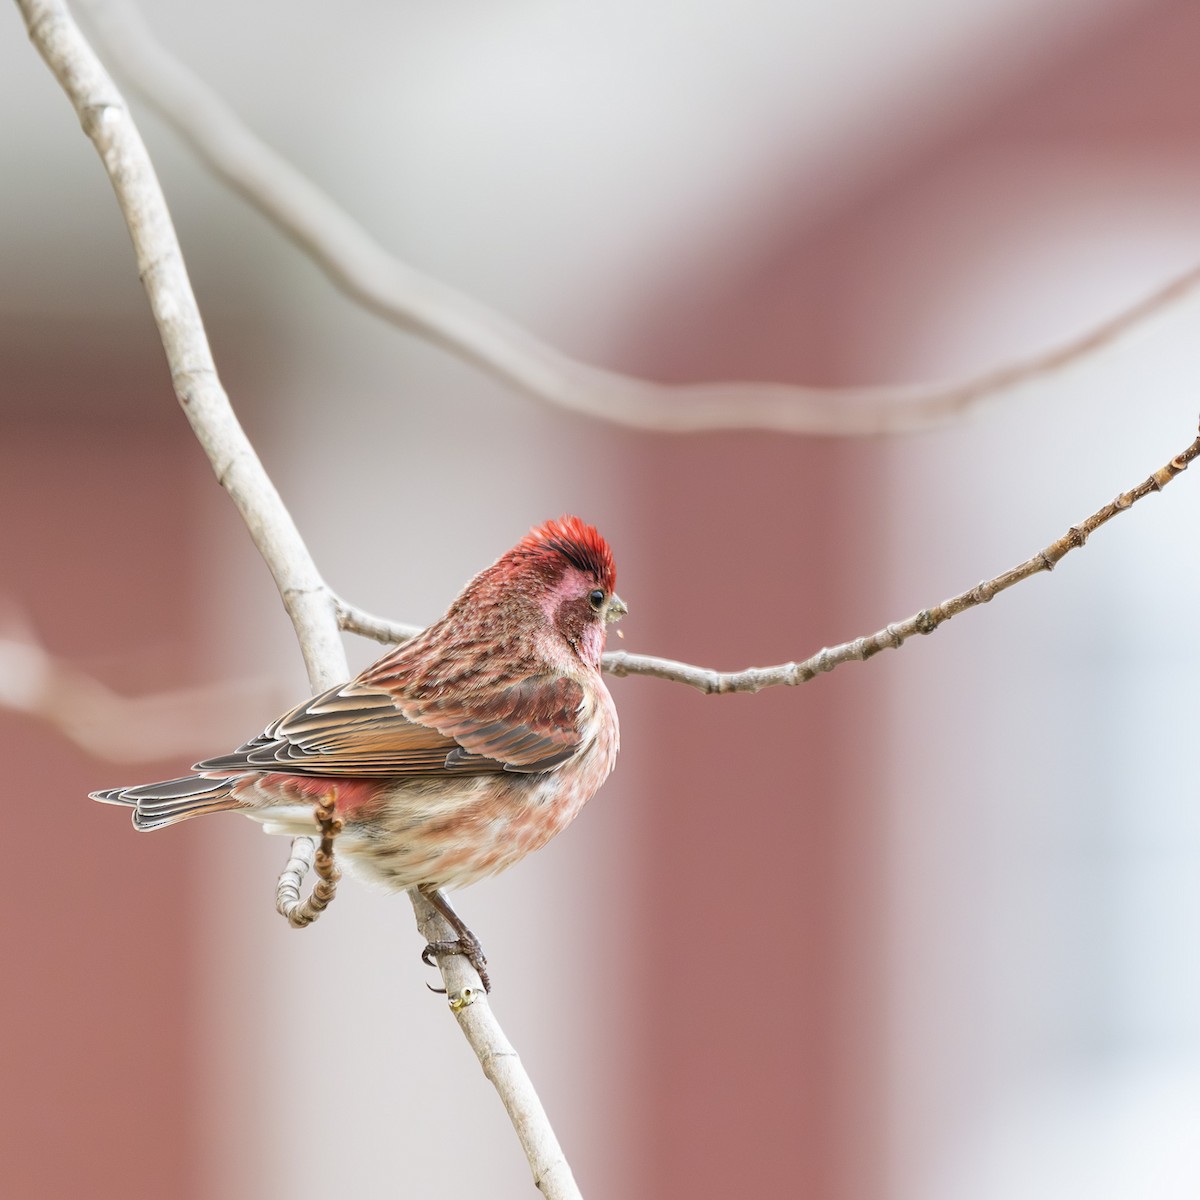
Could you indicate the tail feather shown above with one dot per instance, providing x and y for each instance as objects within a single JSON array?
[{"x": 157, "y": 804}]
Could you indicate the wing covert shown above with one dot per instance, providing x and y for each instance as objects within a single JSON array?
[{"x": 365, "y": 731}]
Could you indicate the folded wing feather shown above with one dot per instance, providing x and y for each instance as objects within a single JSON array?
[{"x": 359, "y": 730}]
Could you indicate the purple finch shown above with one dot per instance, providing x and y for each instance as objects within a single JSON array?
[{"x": 454, "y": 755}]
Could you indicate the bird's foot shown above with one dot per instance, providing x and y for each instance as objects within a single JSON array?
[{"x": 466, "y": 944}]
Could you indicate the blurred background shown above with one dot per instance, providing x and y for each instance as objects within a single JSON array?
[{"x": 923, "y": 929}]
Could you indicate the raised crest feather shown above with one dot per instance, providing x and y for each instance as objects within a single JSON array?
[{"x": 578, "y": 543}]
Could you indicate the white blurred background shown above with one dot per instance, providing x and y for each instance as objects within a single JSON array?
[{"x": 922, "y": 929}]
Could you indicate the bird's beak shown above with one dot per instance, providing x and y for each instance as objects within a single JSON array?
[{"x": 616, "y": 609}]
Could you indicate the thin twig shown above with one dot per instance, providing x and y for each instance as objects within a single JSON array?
[
  {"x": 890, "y": 637},
  {"x": 112, "y": 727},
  {"x": 291, "y": 878},
  {"x": 309, "y": 601},
  {"x": 379, "y": 629},
  {"x": 380, "y": 282}
]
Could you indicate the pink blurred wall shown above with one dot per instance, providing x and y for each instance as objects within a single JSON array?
[{"x": 95, "y": 1054}]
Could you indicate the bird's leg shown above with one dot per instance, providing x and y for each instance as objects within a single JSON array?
[
  {"x": 301, "y": 915},
  {"x": 327, "y": 873},
  {"x": 466, "y": 944}
]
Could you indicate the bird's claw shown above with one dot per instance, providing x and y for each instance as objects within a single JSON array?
[{"x": 468, "y": 946}]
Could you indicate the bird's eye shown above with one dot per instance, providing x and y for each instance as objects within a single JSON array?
[{"x": 596, "y": 599}]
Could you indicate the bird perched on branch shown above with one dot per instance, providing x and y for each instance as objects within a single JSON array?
[{"x": 454, "y": 755}]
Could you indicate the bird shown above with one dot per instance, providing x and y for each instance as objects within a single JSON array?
[{"x": 455, "y": 754}]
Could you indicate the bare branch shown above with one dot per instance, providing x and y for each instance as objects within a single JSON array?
[
  {"x": 372, "y": 277},
  {"x": 291, "y": 880},
  {"x": 379, "y": 629},
  {"x": 500, "y": 1062},
  {"x": 754, "y": 679},
  {"x": 890, "y": 637},
  {"x": 120, "y": 728},
  {"x": 309, "y": 601},
  {"x": 107, "y": 122}
]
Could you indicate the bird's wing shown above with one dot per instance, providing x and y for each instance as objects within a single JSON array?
[
  {"x": 360, "y": 730},
  {"x": 348, "y": 730},
  {"x": 531, "y": 725}
]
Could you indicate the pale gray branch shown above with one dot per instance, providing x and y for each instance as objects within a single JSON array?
[
  {"x": 890, "y": 637},
  {"x": 107, "y": 122},
  {"x": 311, "y": 605},
  {"x": 120, "y": 728},
  {"x": 398, "y": 293},
  {"x": 378, "y": 629},
  {"x": 499, "y": 1060}
]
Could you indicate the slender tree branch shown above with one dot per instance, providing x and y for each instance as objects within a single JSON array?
[
  {"x": 290, "y": 887},
  {"x": 890, "y": 637},
  {"x": 107, "y": 122},
  {"x": 379, "y": 629},
  {"x": 500, "y": 1062},
  {"x": 108, "y": 725},
  {"x": 309, "y": 601},
  {"x": 377, "y": 280}
]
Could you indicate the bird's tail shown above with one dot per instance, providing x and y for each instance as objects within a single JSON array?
[{"x": 157, "y": 804}]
